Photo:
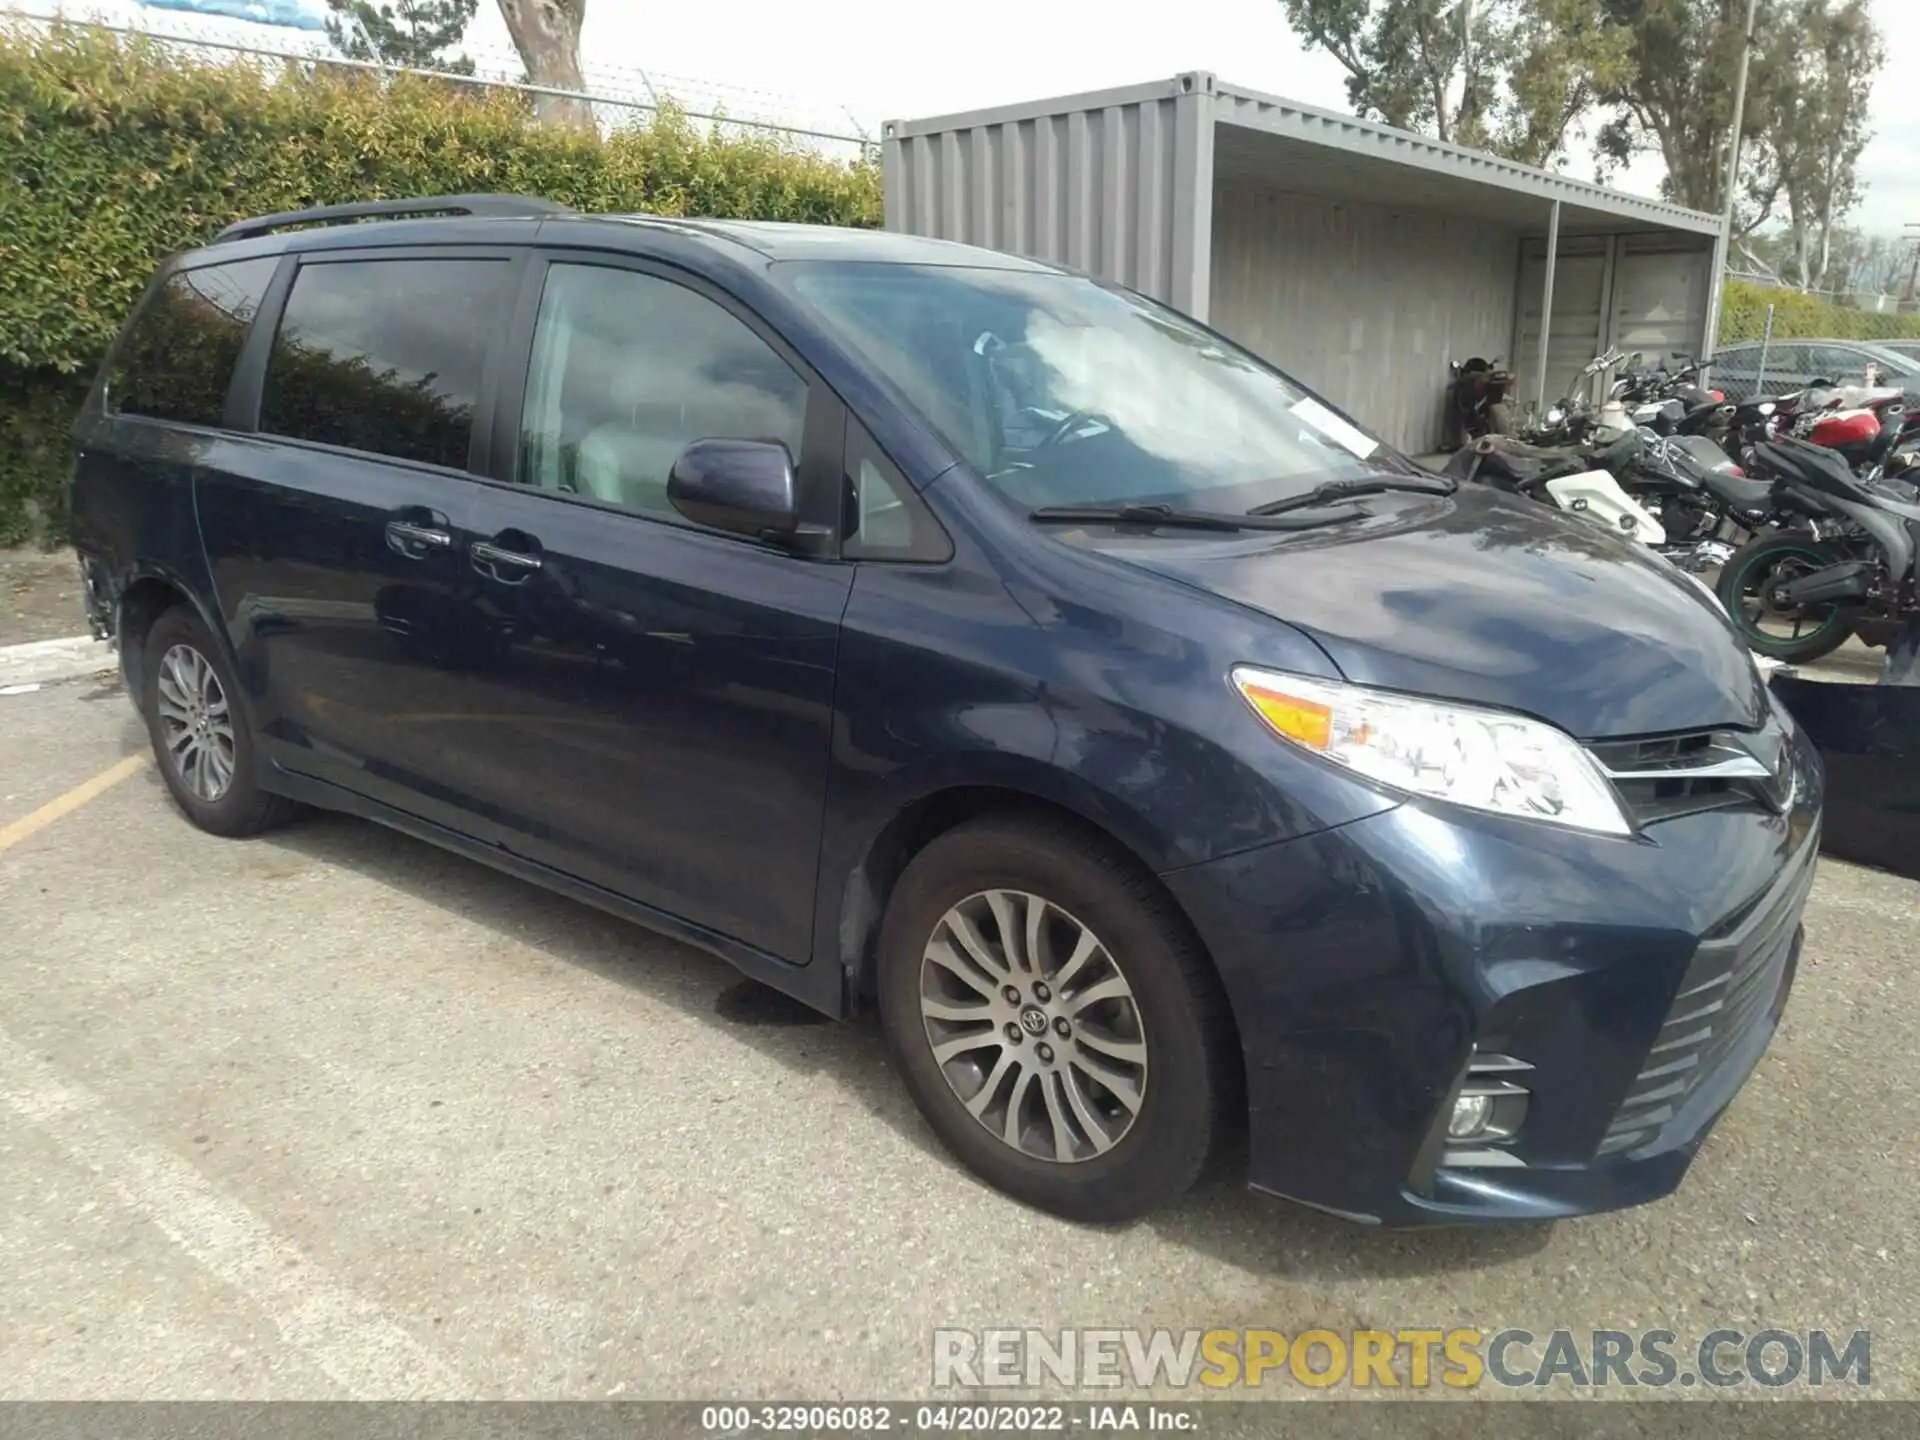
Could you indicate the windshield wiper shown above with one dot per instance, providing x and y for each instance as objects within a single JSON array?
[
  {"x": 1167, "y": 517},
  {"x": 1348, "y": 489}
]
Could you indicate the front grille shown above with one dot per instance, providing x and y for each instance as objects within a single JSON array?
[
  {"x": 1728, "y": 989},
  {"x": 1673, "y": 775}
]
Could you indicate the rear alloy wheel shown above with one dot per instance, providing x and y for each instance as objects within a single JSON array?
[
  {"x": 1055, "y": 1019},
  {"x": 1796, "y": 634},
  {"x": 199, "y": 731},
  {"x": 196, "y": 722}
]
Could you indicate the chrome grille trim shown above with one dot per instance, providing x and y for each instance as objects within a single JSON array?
[
  {"x": 1724, "y": 764},
  {"x": 1673, "y": 775}
]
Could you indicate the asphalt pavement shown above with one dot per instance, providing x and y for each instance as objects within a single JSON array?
[{"x": 332, "y": 1113}]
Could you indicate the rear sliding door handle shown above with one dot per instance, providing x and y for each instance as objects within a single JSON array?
[
  {"x": 416, "y": 542},
  {"x": 497, "y": 562}
]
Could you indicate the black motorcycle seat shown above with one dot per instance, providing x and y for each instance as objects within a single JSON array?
[
  {"x": 1517, "y": 460},
  {"x": 1814, "y": 466},
  {"x": 1738, "y": 491},
  {"x": 1520, "y": 449}
]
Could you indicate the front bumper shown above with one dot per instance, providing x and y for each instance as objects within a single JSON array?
[{"x": 1367, "y": 964}]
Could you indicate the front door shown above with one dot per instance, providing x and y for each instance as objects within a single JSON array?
[
  {"x": 336, "y": 531},
  {"x": 660, "y": 718}
]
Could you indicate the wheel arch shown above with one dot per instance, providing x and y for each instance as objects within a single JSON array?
[
  {"x": 867, "y": 885},
  {"x": 144, "y": 597}
]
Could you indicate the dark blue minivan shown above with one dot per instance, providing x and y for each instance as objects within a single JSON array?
[{"x": 916, "y": 626}]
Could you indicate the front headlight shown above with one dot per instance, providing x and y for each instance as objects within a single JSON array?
[{"x": 1483, "y": 759}]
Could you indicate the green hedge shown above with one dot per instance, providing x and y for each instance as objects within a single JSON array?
[
  {"x": 117, "y": 152},
  {"x": 1743, "y": 316}
]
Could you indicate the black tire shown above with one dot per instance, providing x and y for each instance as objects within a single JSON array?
[
  {"x": 241, "y": 807},
  {"x": 1190, "y": 1097},
  {"x": 1747, "y": 576}
]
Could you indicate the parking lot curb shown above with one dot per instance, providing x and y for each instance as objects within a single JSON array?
[{"x": 41, "y": 662}]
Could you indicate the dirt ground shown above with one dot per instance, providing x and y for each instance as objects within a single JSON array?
[{"x": 39, "y": 596}]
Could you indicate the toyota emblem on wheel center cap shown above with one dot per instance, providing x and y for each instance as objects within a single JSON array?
[{"x": 1033, "y": 1020}]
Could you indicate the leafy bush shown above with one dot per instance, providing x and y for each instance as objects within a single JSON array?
[
  {"x": 117, "y": 152},
  {"x": 1743, "y": 316},
  {"x": 36, "y": 412}
]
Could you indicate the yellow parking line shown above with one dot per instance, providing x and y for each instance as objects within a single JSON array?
[{"x": 80, "y": 794}]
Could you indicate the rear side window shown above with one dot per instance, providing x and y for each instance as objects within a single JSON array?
[
  {"x": 385, "y": 356},
  {"x": 178, "y": 355}
]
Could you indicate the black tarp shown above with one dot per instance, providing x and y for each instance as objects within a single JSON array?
[{"x": 1869, "y": 737}]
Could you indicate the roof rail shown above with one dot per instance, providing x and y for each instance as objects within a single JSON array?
[{"x": 504, "y": 205}]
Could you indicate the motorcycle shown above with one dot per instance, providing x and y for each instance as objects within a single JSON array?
[
  {"x": 1569, "y": 418},
  {"x": 1871, "y": 426},
  {"x": 1675, "y": 404},
  {"x": 1679, "y": 493},
  {"x": 1477, "y": 399},
  {"x": 1853, "y": 565},
  {"x": 1568, "y": 477}
]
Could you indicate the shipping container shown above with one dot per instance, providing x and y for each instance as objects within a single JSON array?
[{"x": 1357, "y": 257}]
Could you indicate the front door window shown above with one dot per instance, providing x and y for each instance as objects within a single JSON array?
[{"x": 628, "y": 370}]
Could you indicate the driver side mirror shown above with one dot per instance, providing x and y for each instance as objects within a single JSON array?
[{"x": 745, "y": 487}]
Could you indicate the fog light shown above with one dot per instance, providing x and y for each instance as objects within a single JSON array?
[
  {"x": 1471, "y": 1114},
  {"x": 1488, "y": 1111}
]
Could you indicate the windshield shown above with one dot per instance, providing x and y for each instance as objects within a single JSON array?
[{"x": 1064, "y": 392}]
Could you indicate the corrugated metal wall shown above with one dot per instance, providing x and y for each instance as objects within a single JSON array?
[
  {"x": 1640, "y": 292},
  {"x": 1364, "y": 303},
  {"x": 1109, "y": 190},
  {"x": 1580, "y": 304},
  {"x": 1660, "y": 289}
]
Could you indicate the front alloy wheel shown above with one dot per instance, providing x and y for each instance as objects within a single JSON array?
[
  {"x": 1055, "y": 1018},
  {"x": 196, "y": 724},
  {"x": 1033, "y": 1025}
]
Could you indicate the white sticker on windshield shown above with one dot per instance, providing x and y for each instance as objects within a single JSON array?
[{"x": 1334, "y": 428}]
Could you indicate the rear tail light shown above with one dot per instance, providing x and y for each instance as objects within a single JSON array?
[{"x": 1715, "y": 395}]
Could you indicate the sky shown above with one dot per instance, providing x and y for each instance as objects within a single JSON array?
[
  {"x": 882, "y": 61},
  {"x": 845, "y": 64}
]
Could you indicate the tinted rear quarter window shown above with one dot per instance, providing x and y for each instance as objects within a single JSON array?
[
  {"x": 385, "y": 356},
  {"x": 177, "y": 357}
]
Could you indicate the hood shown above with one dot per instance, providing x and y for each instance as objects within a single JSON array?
[{"x": 1491, "y": 599}]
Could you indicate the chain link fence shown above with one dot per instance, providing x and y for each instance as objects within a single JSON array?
[{"x": 1774, "y": 338}]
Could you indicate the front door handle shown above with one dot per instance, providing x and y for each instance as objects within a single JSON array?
[
  {"x": 496, "y": 562},
  {"x": 416, "y": 542}
]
